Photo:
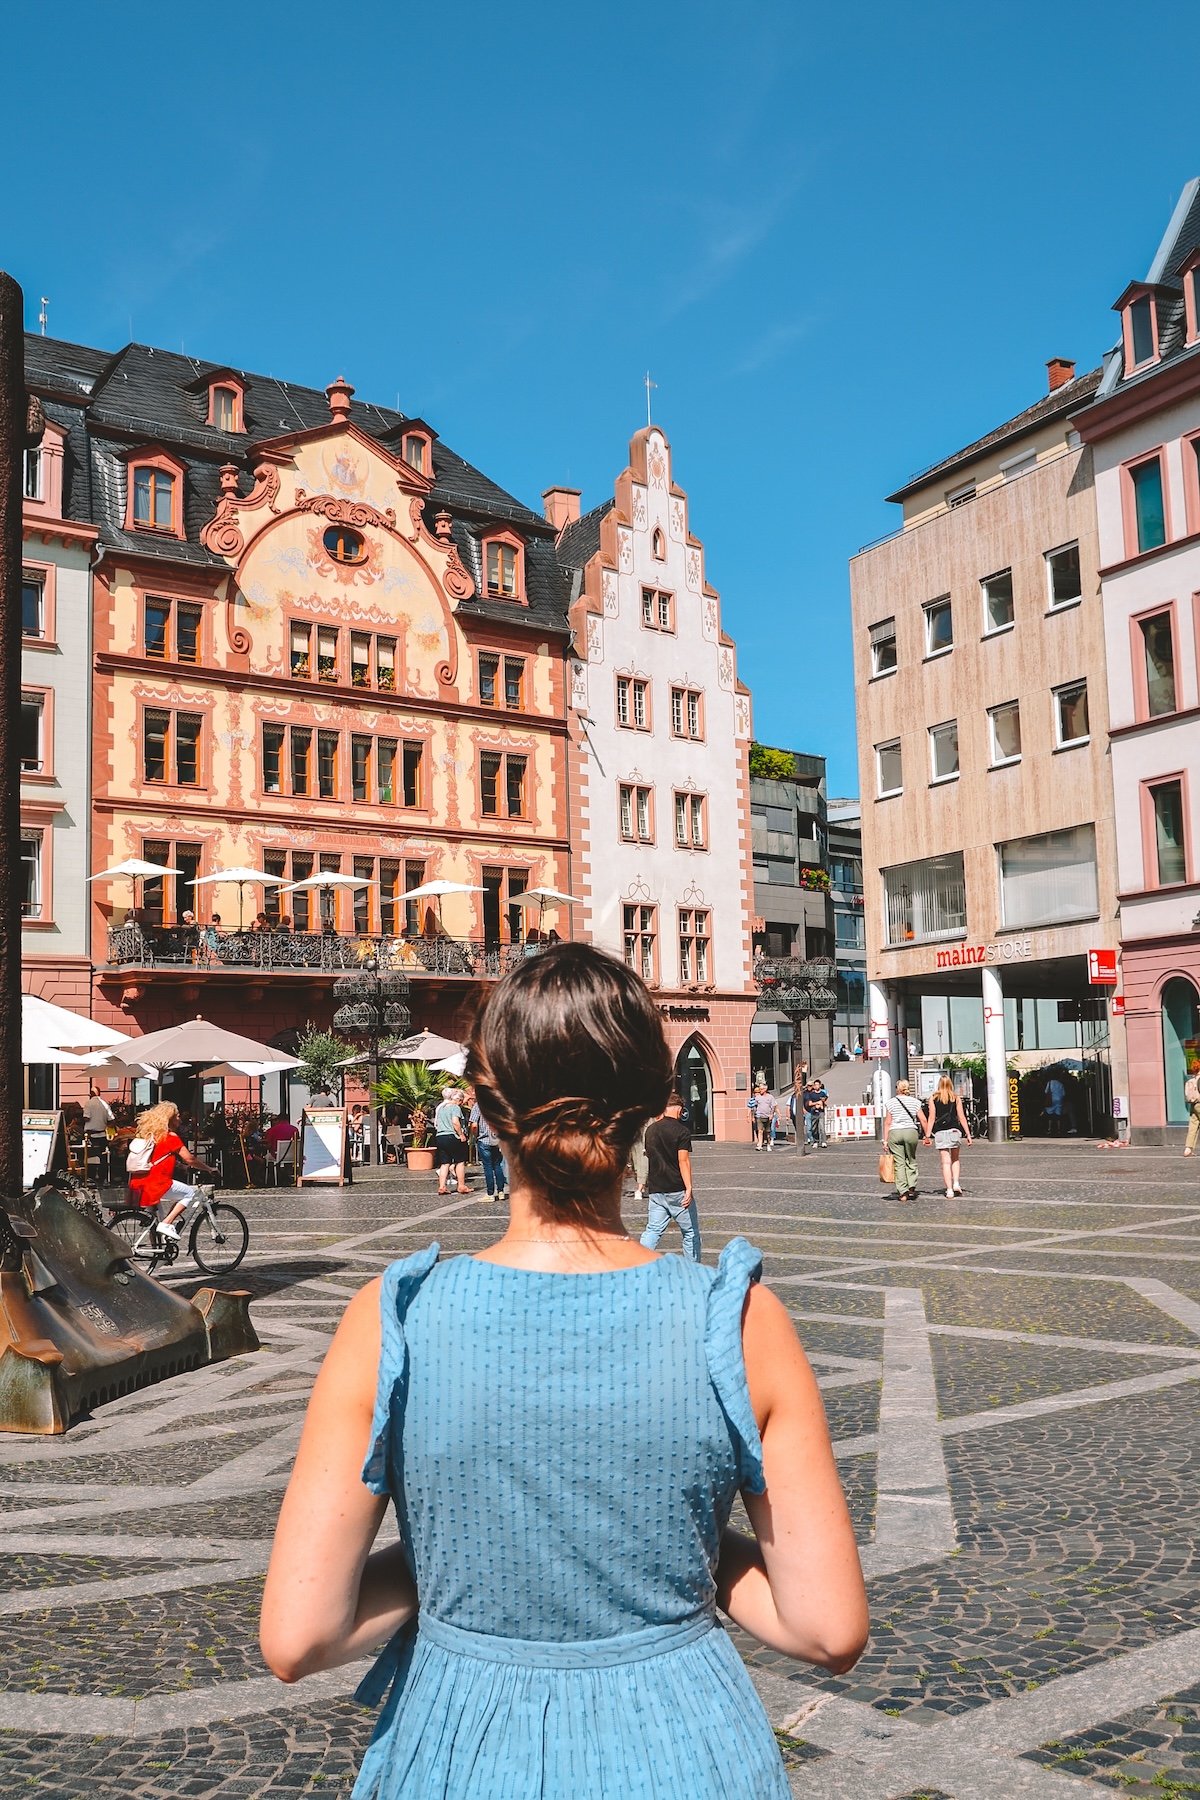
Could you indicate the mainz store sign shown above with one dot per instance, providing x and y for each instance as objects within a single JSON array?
[{"x": 1008, "y": 950}]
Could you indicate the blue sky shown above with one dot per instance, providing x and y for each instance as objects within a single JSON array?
[{"x": 843, "y": 240}]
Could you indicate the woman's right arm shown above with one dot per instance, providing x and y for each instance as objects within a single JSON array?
[
  {"x": 797, "y": 1585},
  {"x": 327, "y": 1599}
]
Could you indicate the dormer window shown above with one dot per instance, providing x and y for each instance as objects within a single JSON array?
[
  {"x": 1141, "y": 329},
  {"x": 225, "y": 408},
  {"x": 503, "y": 564},
  {"x": 415, "y": 453},
  {"x": 154, "y": 499},
  {"x": 1139, "y": 326}
]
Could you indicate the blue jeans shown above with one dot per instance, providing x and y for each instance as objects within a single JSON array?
[
  {"x": 495, "y": 1174},
  {"x": 664, "y": 1208}
]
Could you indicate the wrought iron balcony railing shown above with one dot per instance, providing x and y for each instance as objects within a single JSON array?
[{"x": 301, "y": 952}]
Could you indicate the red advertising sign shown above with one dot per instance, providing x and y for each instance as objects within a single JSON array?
[
  {"x": 1102, "y": 968},
  {"x": 1116, "y": 1005}
]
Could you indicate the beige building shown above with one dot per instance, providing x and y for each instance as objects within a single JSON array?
[{"x": 987, "y": 816}]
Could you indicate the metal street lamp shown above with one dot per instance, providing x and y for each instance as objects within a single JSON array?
[{"x": 373, "y": 1006}]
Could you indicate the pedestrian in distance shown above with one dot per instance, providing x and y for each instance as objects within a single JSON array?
[
  {"x": 639, "y": 1163},
  {"x": 1191, "y": 1095},
  {"x": 815, "y": 1098},
  {"x": 761, "y": 1106},
  {"x": 450, "y": 1138},
  {"x": 902, "y": 1129},
  {"x": 552, "y": 1620},
  {"x": 491, "y": 1156},
  {"x": 945, "y": 1125},
  {"x": 1054, "y": 1102},
  {"x": 669, "y": 1180}
]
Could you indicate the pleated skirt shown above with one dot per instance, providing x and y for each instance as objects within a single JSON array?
[{"x": 666, "y": 1713}]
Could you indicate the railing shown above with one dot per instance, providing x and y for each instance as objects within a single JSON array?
[{"x": 321, "y": 952}]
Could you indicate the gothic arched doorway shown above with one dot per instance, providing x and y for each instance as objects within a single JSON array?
[{"x": 695, "y": 1084}]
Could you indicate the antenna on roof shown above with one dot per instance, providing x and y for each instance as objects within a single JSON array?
[
  {"x": 44, "y": 315},
  {"x": 649, "y": 384}
]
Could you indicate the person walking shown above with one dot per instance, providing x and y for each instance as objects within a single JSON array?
[
  {"x": 450, "y": 1137},
  {"x": 1055, "y": 1095},
  {"x": 901, "y": 1131},
  {"x": 491, "y": 1157},
  {"x": 1191, "y": 1095},
  {"x": 669, "y": 1180},
  {"x": 762, "y": 1111},
  {"x": 563, "y": 1423},
  {"x": 639, "y": 1163},
  {"x": 945, "y": 1125}
]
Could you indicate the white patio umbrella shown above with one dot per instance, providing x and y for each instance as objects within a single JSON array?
[
  {"x": 453, "y": 1065},
  {"x": 331, "y": 882},
  {"x": 243, "y": 877},
  {"x": 435, "y": 890},
  {"x": 543, "y": 897},
  {"x": 135, "y": 869},
  {"x": 423, "y": 1046},
  {"x": 196, "y": 1042},
  {"x": 59, "y": 1029}
]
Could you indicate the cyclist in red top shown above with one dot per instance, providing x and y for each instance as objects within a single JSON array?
[{"x": 157, "y": 1185}]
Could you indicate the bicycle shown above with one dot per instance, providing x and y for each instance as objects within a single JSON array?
[{"x": 219, "y": 1236}]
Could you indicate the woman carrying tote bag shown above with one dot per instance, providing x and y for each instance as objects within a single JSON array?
[
  {"x": 903, "y": 1120},
  {"x": 946, "y": 1126}
]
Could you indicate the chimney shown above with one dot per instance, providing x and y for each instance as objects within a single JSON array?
[
  {"x": 1060, "y": 371},
  {"x": 562, "y": 505},
  {"x": 339, "y": 394}
]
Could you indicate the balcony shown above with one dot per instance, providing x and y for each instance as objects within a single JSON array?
[{"x": 183, "y": 948}]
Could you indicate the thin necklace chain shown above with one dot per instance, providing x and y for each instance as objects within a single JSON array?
[{"x": 623, "y": 1237}]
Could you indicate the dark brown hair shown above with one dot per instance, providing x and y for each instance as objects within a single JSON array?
[{"x": 569, "y": 1060}]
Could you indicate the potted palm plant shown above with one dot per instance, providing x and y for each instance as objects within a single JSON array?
[{"x": 416, "y": 1089}]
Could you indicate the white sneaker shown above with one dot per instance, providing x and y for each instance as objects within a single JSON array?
[{"x": 168, "y": 1231}]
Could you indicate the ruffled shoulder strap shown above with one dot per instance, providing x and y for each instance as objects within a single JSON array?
[
  {"x": 402, "y": 1282},
  {"x": 740, "y": 1266}
]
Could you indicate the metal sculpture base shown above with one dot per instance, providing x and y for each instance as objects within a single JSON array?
[{"x": 80, "y": 1325}]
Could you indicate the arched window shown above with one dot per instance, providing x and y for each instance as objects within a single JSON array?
[
  {"x": 658, "y": 545},
  {"x": 694, "y": 1079},
  {"x": 1181, "y": 1043}
]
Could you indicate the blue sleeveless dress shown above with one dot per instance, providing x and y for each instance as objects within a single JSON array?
[{"x": 563, "y": 1452}]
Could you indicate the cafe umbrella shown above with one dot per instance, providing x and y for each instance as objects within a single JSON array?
[
  {"x": 543, "y": 897},
  {"x": 243, "y": 877},
  {"x": 436, "y": 890},
  {"x": 330, "y": 882},
  {"x": 133, "y": 870},
  {"x": 196, "y": 1044}
]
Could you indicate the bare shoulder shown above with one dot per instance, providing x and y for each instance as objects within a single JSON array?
[{"x": 354, "y": 1353}]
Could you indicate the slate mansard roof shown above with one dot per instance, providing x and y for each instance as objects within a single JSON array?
[
  {"x": 111, "y": 403},
  {"x": 1181, "y": 239}
]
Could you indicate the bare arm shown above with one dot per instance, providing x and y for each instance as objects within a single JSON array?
[
  {"x": 189, "y": 1161},
  {"x": 327, "y": 1599},
  {"x": 685, "y": 1169},
  {"x": 797, "y": 1585},
  {"x": 962, "y": 1119}
]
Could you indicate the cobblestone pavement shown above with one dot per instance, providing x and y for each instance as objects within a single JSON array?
[{"x": 1013, "y": 1385}]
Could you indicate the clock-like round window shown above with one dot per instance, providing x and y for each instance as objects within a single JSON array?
[{"x": 345, "y": 545}]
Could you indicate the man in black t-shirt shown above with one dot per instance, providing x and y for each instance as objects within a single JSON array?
[{"x": 669, "y": 1180}]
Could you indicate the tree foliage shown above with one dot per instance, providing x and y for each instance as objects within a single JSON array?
[
  {"x": 416, "y": 1089},
  {"x": 320, "y": 1053},
  {"x": 772, "y": 765}
]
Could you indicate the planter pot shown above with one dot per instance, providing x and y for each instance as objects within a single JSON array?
[{"x": 419, "y": 1159}]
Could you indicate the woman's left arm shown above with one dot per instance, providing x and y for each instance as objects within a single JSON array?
[
  {"x": 328, "y": 1600},
  {"x": 962, "y": 1119}
]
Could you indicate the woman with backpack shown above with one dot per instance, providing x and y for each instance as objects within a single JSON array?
[{"x": 150, "y": 1166}]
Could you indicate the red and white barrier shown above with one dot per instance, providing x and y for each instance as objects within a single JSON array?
[{"x": 851, "y": 1121}]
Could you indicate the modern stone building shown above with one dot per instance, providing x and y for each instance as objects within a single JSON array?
[
  {"x": 987, "y": 815},
  {"x": 792, "y": 904},
  {"x": 849, "y": 925},
  {"x": 1143, "y": 432}
]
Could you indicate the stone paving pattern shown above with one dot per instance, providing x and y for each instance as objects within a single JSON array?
[{"x": 1074, "y": 1513}]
